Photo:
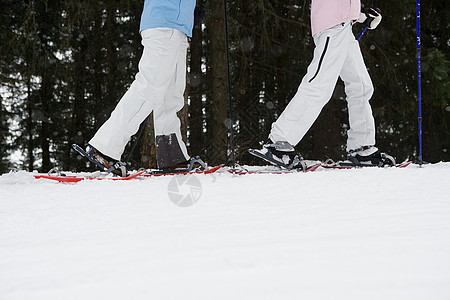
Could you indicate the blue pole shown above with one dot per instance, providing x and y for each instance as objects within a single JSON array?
[
  {"x": 419, "y": 79},
  {"x": 362, "y": 33}
]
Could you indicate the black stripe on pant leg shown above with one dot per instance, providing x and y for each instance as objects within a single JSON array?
[{"x": 321, "y": 59}]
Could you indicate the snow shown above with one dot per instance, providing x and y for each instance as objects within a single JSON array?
[{"x": 331, "y": 234}]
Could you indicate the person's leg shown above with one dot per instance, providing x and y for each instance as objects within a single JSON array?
[
  {"x": 359, "y": 90},
  {"x": 170, "y": 148},
  {"x": 317, "y": 86},
  {"x": 156, "y": 69}
]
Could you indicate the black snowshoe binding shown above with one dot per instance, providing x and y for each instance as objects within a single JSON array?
[
  {"x": 280, "y": 154},
  {"x": 370, "y": 156},
  {"x": 103, "y": 162},
  {"x": 191, "y": 165}
]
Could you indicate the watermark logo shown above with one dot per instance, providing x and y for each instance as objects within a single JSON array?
[{"x": 185, "y": 191}]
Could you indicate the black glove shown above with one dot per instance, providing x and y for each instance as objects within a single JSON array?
[
  {"x": 370, "y": 17},
  {"x": 199, "y": 14}
]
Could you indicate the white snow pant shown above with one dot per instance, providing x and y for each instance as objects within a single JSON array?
[
  {"x": 159, "y": 87},
  {"x": 337, "y": 54}
]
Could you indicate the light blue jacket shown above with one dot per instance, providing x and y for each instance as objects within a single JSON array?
[{"x": 175, "y": 14}]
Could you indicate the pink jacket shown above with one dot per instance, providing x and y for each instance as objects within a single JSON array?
[{"x": 326, "y": 14}]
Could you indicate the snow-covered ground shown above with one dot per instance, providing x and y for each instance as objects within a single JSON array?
[{"x": 331, "y": 234}]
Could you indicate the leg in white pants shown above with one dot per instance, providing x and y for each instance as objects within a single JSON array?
[
  {"x": 166, "y": 121},
  {"x": 335, "y": 48},
  {"x": 164, "y": 54},
  {"x": 359, "y": 90}
]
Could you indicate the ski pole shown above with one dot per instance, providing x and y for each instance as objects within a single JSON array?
[
  {"x": 419, "y": 79},
  {"x": 362, "y": 33}
]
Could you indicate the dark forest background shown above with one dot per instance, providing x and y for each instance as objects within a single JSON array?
[{"x": 64, "y": 65}]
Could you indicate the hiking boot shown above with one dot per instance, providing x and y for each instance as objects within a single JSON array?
[
  {"x": 370, "y": 155},
  {"x": 281, "y": 154},
  {"x": 110, "y": 165}
]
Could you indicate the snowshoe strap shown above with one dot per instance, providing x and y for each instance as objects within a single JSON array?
[
  {"x": 281, "y": 146},
  {"x": 354, "y": 160},
  {"x": 297, "y": 163},
  {"x": 118, "y": 166},
  {"x": 359, "y": 149},
  {"x": 54, "y": 172},
  {"x": 387, "y": 160},
  {"x": 194, "y": 160}
]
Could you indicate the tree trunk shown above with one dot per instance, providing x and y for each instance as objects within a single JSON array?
[
  {"x": 148, "y": 147},
  {"x": 29, "y": 128},
  {"x": 196, "y": 141},
  {"x": 327, "y": 140},
  {"x": 4, "y": 133},
  {"x": 183, "y": 114},
  {"x": 46, "y": 98},
  {"x": 79, "y": 109},
  {"x": 217, "y": 117}
]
